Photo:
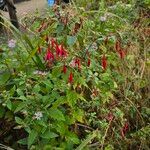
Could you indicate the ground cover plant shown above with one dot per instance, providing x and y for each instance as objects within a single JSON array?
[{"x": 77, "y": 78}]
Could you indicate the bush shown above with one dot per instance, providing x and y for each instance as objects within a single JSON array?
[{"x": 75, "y": 80}]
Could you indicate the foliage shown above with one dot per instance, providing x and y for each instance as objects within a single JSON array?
[{"x": 77, "y": 79}]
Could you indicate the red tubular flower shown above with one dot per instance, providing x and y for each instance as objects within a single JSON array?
[
  {"x": 60, "y": 51},
  {"x": 63, "y": 52},
  {"x": 64, "y": 70},
  {"x": 104, "y": 62},
  {"x": 57, "y": 50},
  {"x": 89, "y": 62},
  {"x": 39, "y": 50},
  {"x": 53, "y": 43},
  {"x": 121, "y": 53},
  {"x": 49, "y": 55},
  {"x": 77, "y": 63},
  {"x": 70, "y": 79}
]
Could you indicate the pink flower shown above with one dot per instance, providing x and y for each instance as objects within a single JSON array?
[{"x": 49, "y": 55}]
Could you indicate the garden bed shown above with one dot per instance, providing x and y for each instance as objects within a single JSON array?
[{"x": 77, "y": 79}]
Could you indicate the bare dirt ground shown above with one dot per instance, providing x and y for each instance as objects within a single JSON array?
[{"x": 28, "y": 7}]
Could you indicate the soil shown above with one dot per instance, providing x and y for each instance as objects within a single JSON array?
[{"x": 28, "y": 6}]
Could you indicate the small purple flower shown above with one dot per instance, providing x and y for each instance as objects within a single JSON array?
[{"x": 11, "y": 43}]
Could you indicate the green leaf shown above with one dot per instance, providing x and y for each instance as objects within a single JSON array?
[
  {"x": 71, "y": 40},
  {"x": 56, "y": 114},
  {"x": 61, "y": 100},
  {"x": 9, "y": 104},
  {"x": 32, "y": 136},
  {"x": 78, "y": 115},
  {"x": 87, "y": 140},
  {"x": 49, "y": 135},
  {"x": 18, "y": 120},
  {"x": 33, "y": 53},
  {"x": 56, "y": 71},
  {"x": 72, "y": 97},
  {"x": 4, "y": 76},
  {"x": 109, "y": 147},
  {"x": 72, "y": 137},
  {"x": 12, "y": 91},
  {"x": 20, "y": 107},
  {"x": 20, "y": 92},
  {"x": 23, "y": 141},
  {"x": 36, "y": 88}
]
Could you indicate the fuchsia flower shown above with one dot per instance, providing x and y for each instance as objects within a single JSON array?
[
  {"x": 60, "y": 51},
  {"x": 89, "y": 62},
  {"x": 53, "y": 43},
  {"x": 104, "y": 62},
  {"x": 121, "y": 53},
  {"x": 77, "y": 63},
  {"x": 64, "y": 70},
  {"x": 49, "y": 55},
  {"x": 70, "y": 79}
]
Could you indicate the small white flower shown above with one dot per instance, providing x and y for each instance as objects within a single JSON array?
[
  {"x": 38, "y": 115},
  {"x": 103, "y": 18},
  {"x": 11, "y": 43}
]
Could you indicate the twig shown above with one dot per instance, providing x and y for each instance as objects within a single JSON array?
[{"x": 85, "y": 126}]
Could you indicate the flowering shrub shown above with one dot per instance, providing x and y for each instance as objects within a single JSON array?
[{"x": 76, "y": 81}]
